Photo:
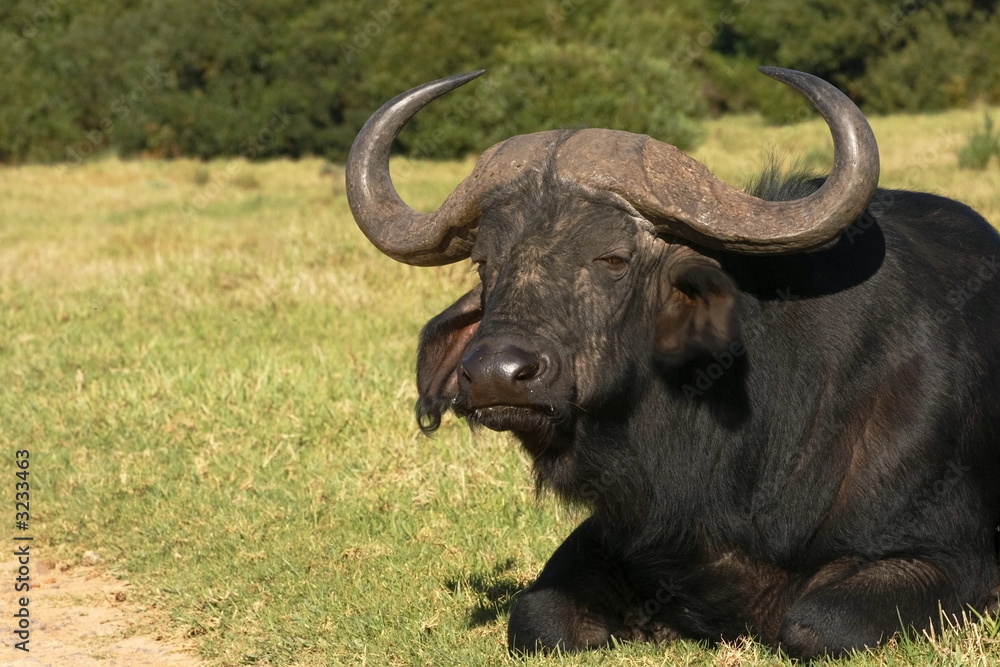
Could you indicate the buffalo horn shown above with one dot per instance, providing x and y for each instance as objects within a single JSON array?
[
  {"x": 678, "y": 194},
  {"x": 423, "y": 239},
  {"x": 706, "y": 210}
]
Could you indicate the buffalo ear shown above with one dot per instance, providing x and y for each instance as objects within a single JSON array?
[
  {"x": 699, "y": 313},
  {"x": 442, "y": 342}
]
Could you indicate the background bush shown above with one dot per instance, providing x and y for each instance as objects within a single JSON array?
[{"x": 264, "y": 78}]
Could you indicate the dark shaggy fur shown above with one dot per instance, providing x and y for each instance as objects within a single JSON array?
[{"x": 802, "y": 448}]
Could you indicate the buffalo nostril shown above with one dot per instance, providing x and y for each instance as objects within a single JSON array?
[
  {"x": 502, "y": 374},
  {"x": 501, "y": 364},
  {"x": 526, "y": 372},
  {"x": 512, "y": 364}
]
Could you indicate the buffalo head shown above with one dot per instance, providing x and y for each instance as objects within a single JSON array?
[{"x": 595, "y": 253}]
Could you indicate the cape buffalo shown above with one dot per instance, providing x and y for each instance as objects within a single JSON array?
[{"x": 782, "y": 407}]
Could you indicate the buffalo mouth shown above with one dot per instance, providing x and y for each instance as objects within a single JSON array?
[
  {"x": 545, "y": 433},
  {"x": 513, "y": 418}
]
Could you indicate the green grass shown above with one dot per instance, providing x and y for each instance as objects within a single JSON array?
[{"x": 218, "y": 399}]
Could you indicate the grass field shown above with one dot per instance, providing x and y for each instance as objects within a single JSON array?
[{"x": 212, "y": 370}]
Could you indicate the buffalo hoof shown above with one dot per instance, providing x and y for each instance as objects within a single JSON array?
[
  {"x": 812, "y": 630},
  {"x": 547, "y": 619}
]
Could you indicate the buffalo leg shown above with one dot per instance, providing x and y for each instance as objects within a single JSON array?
[
  {"x": 580, "y": 600},
  {"x": 868, "y": 607}
]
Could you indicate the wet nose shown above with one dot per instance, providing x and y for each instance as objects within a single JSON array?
[{"x": 501, "y": 374}]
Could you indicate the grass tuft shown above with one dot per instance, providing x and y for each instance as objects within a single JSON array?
[{"x": 981, "y": 147}]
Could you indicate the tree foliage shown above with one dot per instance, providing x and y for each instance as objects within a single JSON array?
[{"x": 263, "y": 78}]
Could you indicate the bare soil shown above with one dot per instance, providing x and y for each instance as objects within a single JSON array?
[{"x": 84, "y": 617}]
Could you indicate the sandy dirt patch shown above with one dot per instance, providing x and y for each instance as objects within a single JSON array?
[{"x": 81, "y": 616}]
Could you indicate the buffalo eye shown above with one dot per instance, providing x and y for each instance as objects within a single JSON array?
[{"x": 615, "y": 263}]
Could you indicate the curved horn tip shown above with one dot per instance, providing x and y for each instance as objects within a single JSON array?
[
  {"x": 786, "y": 76},
  {"x": 397, "y": 111},
  {"x": 454, "y": 81},
  {"x": 472, "y": 75},
  {"x": 391, "y": 225},
  {"x": 446, "y": 84}
]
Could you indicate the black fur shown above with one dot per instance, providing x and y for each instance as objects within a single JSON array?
[{"x": 819, "y": 468}]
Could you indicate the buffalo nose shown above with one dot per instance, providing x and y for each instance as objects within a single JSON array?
[{"x": 500, "y": 375}]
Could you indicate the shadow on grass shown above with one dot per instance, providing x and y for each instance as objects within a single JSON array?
[{"x": 494, "y": 591}]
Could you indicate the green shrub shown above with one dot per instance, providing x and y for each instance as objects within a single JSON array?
[
  {"x": 263, "y": 78},
  {"x": 888, "y": 55},
  {"x": 980, "y": 147},
  {"x": 546, "y": 85},
  {"x": 542, "y": 85}
]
